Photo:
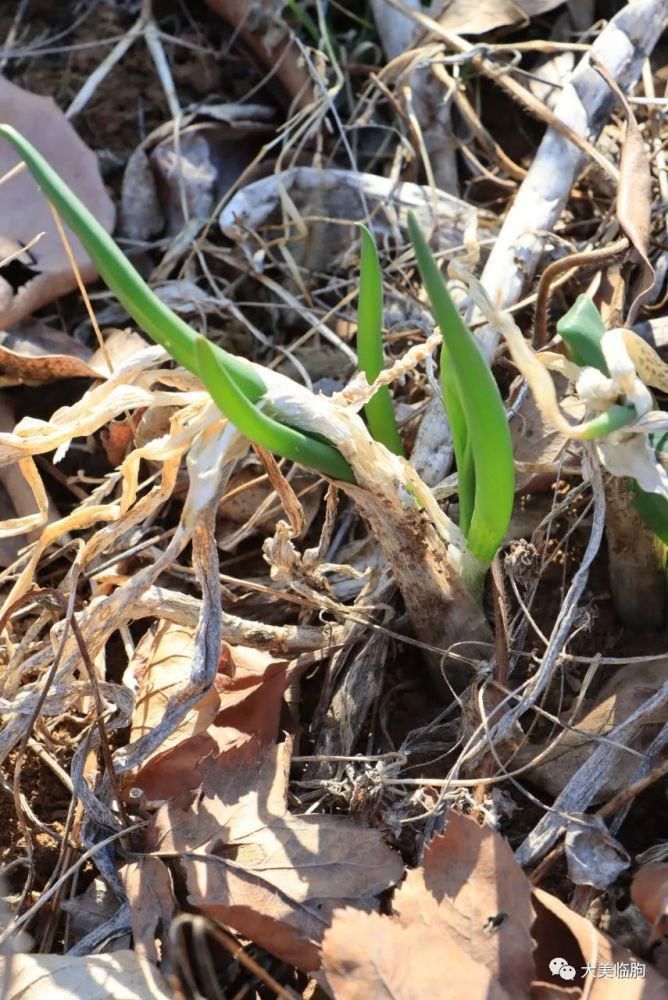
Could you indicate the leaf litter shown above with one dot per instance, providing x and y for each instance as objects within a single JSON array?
[{"x": 241, "y": 685}]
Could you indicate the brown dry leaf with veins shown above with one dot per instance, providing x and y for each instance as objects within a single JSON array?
[
  {"x": 468, "y": 924},
  {"x": 272, "y": 876},
  {"x": 24, "y": 210},
  {"x": 469, "y": 878},
  {"x": 369, "y": 957},
  {"x": 244, "y": 702},
  {"x": 148, "y": 884}
]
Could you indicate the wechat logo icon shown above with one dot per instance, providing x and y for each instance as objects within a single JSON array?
[{"x": 560, "y": 967}]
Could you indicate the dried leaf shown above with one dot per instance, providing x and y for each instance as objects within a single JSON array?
[
  {"x": 473, "y": 891},
  {"x": 119, "y": 976},
  {"x": 272, "y": 876},
  {"x": 649, "y": 891},
  {"x": 369, "y": 957},
  {"x": 535, "y": 441},
  {"x": 244, "y": 701},
  {"x": 148, "y": 884},
  {"x": 634, "y": 194},
  {"x": 473, "y": 17},
  {"x": 25, "y": 211},
  {"x": 559, "y": 931},
  {"x": 36, "y": 352},
  {"x": 594, "y": 857}
]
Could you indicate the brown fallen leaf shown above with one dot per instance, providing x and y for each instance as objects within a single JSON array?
[
  {"x": 369, "y": 957},
  {"x": 273, "y": 876},
  {"x": 24, "y": 210},
  {"x": 117, "y": 976},
  {"x": 634, "y": 194},
  {"x": 473, "y": 891},
  {"x": 473, "y": 17},
  {"x": 33, "y": 351},
  {"x": 443, "y": 941},
  {"x": 245, "y": 701},
  {"x": 148, "y": 884},
  {"x": 649, "y": 891},
  {"x": 559, "y": 931}
]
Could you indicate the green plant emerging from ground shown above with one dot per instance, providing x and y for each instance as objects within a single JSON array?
[
  {"x": 378, "y": 410},
  {"x": 480, "y": 434},
  {"x": 481, "y": 439}
]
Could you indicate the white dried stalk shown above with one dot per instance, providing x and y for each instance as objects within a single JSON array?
[{"x": 584, "y": 105}]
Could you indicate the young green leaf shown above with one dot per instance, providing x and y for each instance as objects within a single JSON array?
[
  {"x": 220, "y": 380},
  {"x": 378, "y": 410},
  {"x": 653, "y": 510},
  {"x": 461, "y": 441},
  {"x": 483, "y": 409},
  {"x": 581, "y": 329},
  {"x": 152, "y": 315}
]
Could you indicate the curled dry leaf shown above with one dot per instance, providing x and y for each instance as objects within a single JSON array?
[
  {"x": 148, "y": 884},
  {"x": 25, "y": 211},
  {"x": 273, "y": 876},
  {"x": 649, "y": 891},
  {"x": 634, "y": 195},
  {"x": 117, "y": 976},
  {"x": 559, "y": 931},
  {"x": 36, "y": 352},
  {"x": 244, "y": 701},
  {"x": 473, "y": 17}
]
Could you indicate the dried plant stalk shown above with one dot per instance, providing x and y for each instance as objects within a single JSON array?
[{"x": 637, "y": 561}]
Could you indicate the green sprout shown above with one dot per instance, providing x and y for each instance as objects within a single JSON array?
[
  {"x": 378, "y": 410},
  {"x": 239, "y": 382},
  {"x": 214, "y": 372},
  {"x": 480, "y": 432},
  {"x": 481, "y": 439}
]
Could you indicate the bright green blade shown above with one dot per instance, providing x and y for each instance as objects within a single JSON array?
[
  {"x": 220, "y": 380},
  {"x": 483, "y": 408},
  {"x": 152, "y": 315},
  {"x": 581, "y": 329},
  {"x": 461, "y": 441},
  {"x": 378, "y": 410},
  {"x": 653, "y": 510}
]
